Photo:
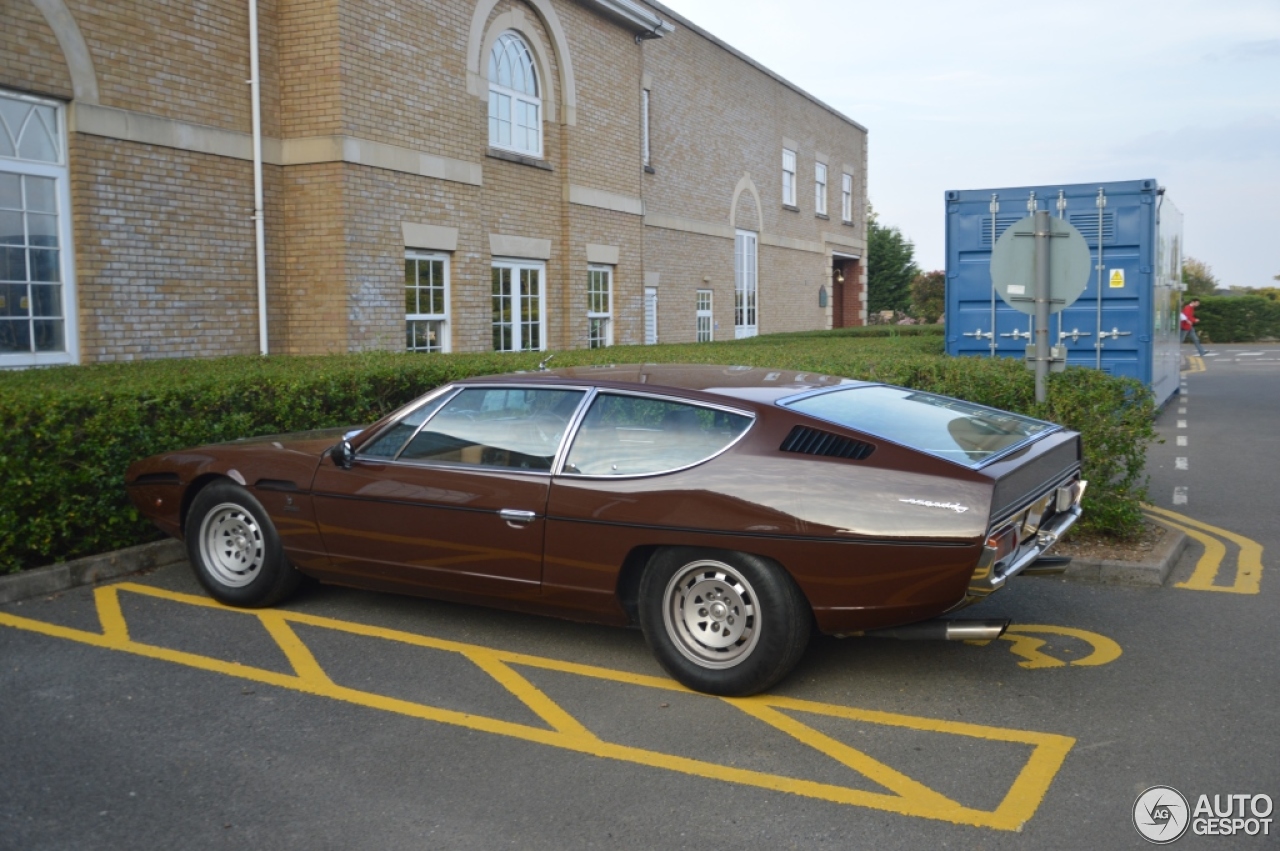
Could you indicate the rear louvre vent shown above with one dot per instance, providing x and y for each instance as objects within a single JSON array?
[
  {"x": 1003, "y": 223},
  {"x": 1087, "y": 224},
  {"x": 811, "y": 441}
]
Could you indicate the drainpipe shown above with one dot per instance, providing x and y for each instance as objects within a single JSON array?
[{"x": 255, "y": 89}]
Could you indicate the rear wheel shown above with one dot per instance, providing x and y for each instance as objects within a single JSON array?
[
  {"x": 235, "y": 550},
  {"x": 722, "y": 622}
]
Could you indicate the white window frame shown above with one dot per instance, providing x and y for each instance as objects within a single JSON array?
[
  {"x": 846, "y": 197},
  {"x": 746, "y": 284},
  {"x": 650, "y": 316},
  {"x": 510, "y": 106},
  {"x": 599, "y": 321},
  {"x": 59, "y": 172},
  {"x": 789, "y": 177},
  {"x": 820, "y": 188},
  {"x": 645, "y": 153},
  {"x": 443, "y": 329},
  {"x": 519, "y": 304},
  {"x": 704, "y": 316}
]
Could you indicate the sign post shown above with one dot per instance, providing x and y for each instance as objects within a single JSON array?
[{"x": 1054, "y": 266}]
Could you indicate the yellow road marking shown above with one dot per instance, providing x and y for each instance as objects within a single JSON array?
[
  {"x": 1195, "y": 363},
  {"x": 277, "y": 626},
  {"x": 1248, "y": 562},
  {"x": 907, "y": 796},
  {"x": 887, "y": 777},
  {"x": 1026, "y": 645},
  {"x": 110, "y": 615}
]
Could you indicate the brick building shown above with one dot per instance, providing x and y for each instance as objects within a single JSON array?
[{"x": 457, "y": 175}]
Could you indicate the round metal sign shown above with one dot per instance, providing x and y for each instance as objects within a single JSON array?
[{"x": 1013, "y": 265}]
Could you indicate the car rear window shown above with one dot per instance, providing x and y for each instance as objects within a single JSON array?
[{"x": 959, "y": 431}]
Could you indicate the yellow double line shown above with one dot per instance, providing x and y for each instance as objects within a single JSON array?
[
  {"x": 559, "y": 728},
  {"x": 1248, "y": 574}
]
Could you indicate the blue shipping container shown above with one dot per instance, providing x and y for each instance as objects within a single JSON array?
[{"x": 1126, "y": 321}]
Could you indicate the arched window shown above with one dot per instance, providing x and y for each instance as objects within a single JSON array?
[{"x": 515, "y": 108}]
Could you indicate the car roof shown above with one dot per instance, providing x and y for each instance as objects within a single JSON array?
[{"x": 756, "y": 384}]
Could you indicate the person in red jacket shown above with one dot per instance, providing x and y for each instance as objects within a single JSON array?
[{"x": 1189, "y": 323}]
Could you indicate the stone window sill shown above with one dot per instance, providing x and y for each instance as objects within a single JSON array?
[{"x": 519, "y": 159}]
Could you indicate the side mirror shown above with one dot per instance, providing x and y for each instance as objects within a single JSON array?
[{"x": 343, "y": 454}]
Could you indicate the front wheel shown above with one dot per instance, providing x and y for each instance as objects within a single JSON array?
[
  {"x": 235, "y": 550},
  {"x": 721, "y": 622}
]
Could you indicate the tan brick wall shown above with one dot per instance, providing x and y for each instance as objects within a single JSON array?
[
  {"x": 714, "y": 119},
  {"x": 30, "y": 57},
  {"x": 314, "y": 286},
  {"x": 310, "y": 48},
  {"x": 686, "y": 263},
  {"x": 164, "y": 252},
  {"x": 604, "y": 145},
  {"x": 600, "y": 227},
  {"x": 186, "y": 61},
  {"x": 165, "y": 246}
]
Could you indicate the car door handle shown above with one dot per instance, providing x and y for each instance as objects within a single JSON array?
[{"x": 516, "y": 517}]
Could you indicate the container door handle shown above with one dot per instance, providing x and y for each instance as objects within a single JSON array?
[{"x": 517, "y": 518}]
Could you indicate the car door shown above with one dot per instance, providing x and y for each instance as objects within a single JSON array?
[{"x": 451, "y": 497}]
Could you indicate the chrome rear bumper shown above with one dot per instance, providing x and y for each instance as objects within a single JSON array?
[{"x": 991, "y": 575}]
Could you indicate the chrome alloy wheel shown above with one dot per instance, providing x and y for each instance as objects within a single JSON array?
[
  {"x": 711, "y": 615},
  {"x": 231, "y": 545}
]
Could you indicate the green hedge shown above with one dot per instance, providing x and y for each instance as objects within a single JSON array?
[
  {"x": 1238, "y": 319},
  {"x": 70, "y": 432}
]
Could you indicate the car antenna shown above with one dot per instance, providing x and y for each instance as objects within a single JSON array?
[{"x": 542, "y": 365}]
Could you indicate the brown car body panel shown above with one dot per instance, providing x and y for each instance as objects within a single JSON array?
[{"x": 889, "y": 539}]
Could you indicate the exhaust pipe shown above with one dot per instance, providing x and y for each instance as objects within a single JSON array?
[
  {"x": 1047, "y": 566},
  {"x": 942, "y": 629}
]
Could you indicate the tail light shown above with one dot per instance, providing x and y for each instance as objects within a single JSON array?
[{"x": 1001, "y": 544}]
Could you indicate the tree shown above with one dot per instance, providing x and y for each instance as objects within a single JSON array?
[
  {"x": 891, "y": 267},
  {"x": 929, "y": 295},
  {"x": 1198, "y": 276}
]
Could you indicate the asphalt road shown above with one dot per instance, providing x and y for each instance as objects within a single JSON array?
[{"x": 138, "y": 717}]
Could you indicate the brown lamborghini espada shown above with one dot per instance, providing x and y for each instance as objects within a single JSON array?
[{"x": 725, "y": 510}]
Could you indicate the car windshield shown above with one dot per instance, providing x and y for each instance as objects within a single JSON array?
[{"x": 949, "y": 428}]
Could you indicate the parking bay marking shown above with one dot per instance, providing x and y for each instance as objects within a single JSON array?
[
  {"x": 1025, "y": 644},
  {"x": 1248, "y": 578},
  {"x": 906, "y": 796}
]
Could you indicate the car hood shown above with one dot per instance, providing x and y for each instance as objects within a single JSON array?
[{"x": 313, "y": 442}]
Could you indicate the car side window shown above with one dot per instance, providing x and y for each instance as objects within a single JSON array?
[
  {"x": 497, "y": 427},
  {"x": 387, "y": 444},
  {"x": 635, "y": 435}
]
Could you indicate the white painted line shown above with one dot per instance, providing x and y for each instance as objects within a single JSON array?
[
  {"x": 1182, "y": 440},
  {"x": 1249, "y": 354},
  {"x": 1180, "y": 464},
  {"x": 1182, "y": 423},
  {"x": 1183, "y": 409},
  {"x": 1180, "y": 496}
]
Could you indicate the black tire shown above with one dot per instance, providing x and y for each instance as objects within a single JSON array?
[
  {"x": 722, "y": 622},
  {"x": 235, "y": 550}
]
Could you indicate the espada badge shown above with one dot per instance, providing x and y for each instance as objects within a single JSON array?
[{"x": 954, "y": 506}]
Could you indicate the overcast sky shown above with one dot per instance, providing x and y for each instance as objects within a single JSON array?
[{"x": 985, "y": 94}]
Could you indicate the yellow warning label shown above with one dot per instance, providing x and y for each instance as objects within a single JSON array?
[{"x": 1117, "y": 279}]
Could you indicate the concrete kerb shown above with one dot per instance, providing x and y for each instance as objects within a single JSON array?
[
  {"x": 1154, "y": 571},
  {"x": 86, "y": 571}
]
